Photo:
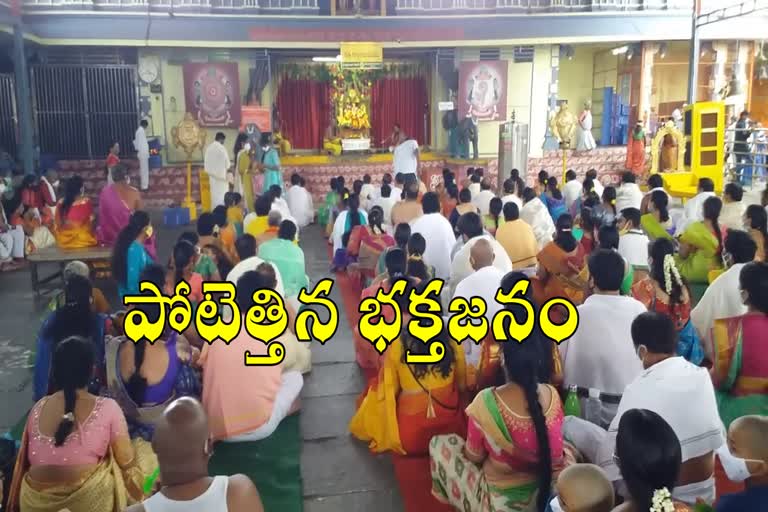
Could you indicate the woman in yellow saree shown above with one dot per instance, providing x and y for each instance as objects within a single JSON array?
[
  {"x": 701, "y": 245},
  {"x": 75, "y": 217},
  {"x": 514, "y": 446},
  {"x": 656, "y": 223},
  {"x": 408, "y": 404},
  {"x": 244, "y": 180},
  {"x": 75, "y": 452},
  {"x": 560, "y": 263}
]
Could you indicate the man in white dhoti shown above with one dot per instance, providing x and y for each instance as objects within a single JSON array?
[
  {"x": 680, "y": 392},
  {"x": 471, "y": 229},
  {"x": 723, "y": 296},
  {"x": 299, "y": 202},
  {"x": 141, "y": 145},
  {"x": 385, "y": 200},
  {"x": 11, "y": 241},
  {"x": 535, "y": 213},
  {"x": 216, "y": 163},
  {"x": 694, "y": 208},
  {"x": 584, "y": 139},
  {"x": 483, "y": 283},
  {"x": 600, "y": 356},
  {"x": 482, "y": 200},
  {"x": 438, "y": 233}
]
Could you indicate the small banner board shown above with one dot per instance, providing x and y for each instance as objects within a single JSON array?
[{"x": 362, "y": 56}]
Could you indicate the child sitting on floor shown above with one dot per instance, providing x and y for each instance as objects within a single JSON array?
[{"x": 582, "y": 488}]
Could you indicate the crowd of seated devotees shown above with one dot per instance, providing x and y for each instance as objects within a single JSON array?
[
  {"x": 645, "y": 349},
  {"x": 109, "y": 412}
]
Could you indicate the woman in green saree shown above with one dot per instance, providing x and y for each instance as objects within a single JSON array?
[
  {"x": 514, "y": 445},
  {"x": 326, "y": 210},
  {"x": 656, "y": 223},
  {"x": 701, "y": 245}
]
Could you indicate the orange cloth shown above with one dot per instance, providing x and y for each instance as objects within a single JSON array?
[{"x": 76, "y": 230}]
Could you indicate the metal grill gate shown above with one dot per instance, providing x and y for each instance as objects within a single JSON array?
[
  {"x": 8, "y": 120},
  {"x": 81, "y": 109}
]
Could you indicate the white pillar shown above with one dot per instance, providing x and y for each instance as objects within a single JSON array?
[
  {"x": 543, "y": 90},
  {"x": 646, "y": 81},
  {"x": 719, "y": 77}
]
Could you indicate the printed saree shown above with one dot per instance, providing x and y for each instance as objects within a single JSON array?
[
  {"x": 741, "y": 366},
  {"x": 688, "y": 342},
  {"x": 76, "y": 230},
  {"x": 463, "y": 484},
  {"x": 696, "y": 266}
]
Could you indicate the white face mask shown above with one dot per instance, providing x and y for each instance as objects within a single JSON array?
[
  {"x": 265, "y": 148},
  {"x": 2, "y": 187},
  {"x": 555, "y": 505},
  {"x": 735, "y": 468},
  {"x": 247, "y": 146},
  {"x": 55, "y": 184}
]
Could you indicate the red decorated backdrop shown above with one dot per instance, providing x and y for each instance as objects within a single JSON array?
[
  {"x": 400, "y": 100},
  {"x": 212, "y": 93},
  {"x": 303, "y": 106}
]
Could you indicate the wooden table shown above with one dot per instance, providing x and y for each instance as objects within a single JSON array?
[{"x": 89, "y": 256}]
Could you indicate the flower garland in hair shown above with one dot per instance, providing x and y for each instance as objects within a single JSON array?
[
  {"x": 662, "y": 501},
  {"x": 670, "y": 271}
]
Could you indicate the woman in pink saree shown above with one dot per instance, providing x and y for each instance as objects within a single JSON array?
[{"x": 116, "y": 204}]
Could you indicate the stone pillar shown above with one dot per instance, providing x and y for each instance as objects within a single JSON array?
[
  {"x": 550, "y": 142},
  {"x": 719, "y": 76},
  {"x": 23, "y": 101},
  {"x": 740, "y": 83},
  {"x": 649, "y": 51}
]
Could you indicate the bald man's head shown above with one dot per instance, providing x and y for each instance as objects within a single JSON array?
[
  {"x": 485, "y": 184},
  {"x": 481, "y": 254},
  {"x": 181, "y": 441},
  {"x": 584, "y": 488},
  {"x": 748, "y": 439}
]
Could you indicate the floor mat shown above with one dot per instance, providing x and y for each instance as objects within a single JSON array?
[
  {"x": 415, "y": 482},
  {"x": 273, "y": 464}
]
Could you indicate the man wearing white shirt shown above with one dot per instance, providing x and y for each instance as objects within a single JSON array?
[
  {"x": 471, "y": 228},
  {"x": 299, "y": 202},
  {"x": 367, "y": 193},
  {"x": 482, "y": 200},
  {"x": 669, "y": 386},
  {"x": 633, "y": 243},
  {"x": 600, "y": 355},
  {"x": 732, "y": 214},
  {"x": 474, "y": 187},
  {"x": 571, "y": 189},
  {"x": 142, "y": 153},
  {"x": 598, "y": 187},
  {"x": 406, "y": 158},
  {"x": 509, "y": 194},
  {"x": 722, "y": 299},
  {"x": 386, "y": 202},
  {"x": 438, "y": 233},
  {"x": 216, "y": 164},
  {"x": 483, "y": 283},
  {"x": 693, "y": 210},
  {"x": 629, "y": 194}
]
